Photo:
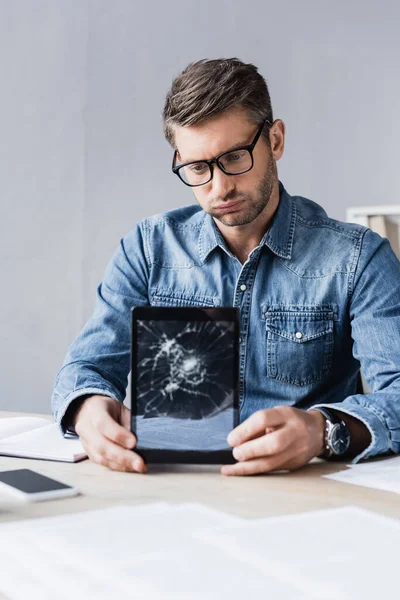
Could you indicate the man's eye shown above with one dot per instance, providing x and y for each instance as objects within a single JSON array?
[
  {"x": 234, "y": 156},
  {"x": 198, "y": 168}
]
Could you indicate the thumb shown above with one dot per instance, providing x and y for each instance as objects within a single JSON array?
[{"x": 125, "y": 417}]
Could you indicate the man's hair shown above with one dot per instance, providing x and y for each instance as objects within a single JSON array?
[{"x": 207, "y": 88}]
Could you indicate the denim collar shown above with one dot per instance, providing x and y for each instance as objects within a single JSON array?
[{"x": 278, "y": 238}]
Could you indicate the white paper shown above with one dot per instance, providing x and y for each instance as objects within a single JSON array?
[
  {"x": 177, "y": 552},
  {"x": 378, "y": 463},
  {"x": 10, "y": 426},
  {"x": 346, "y": 553},
  {"x": 381, "y": 475},
  {"x": 43, "y": 443}
]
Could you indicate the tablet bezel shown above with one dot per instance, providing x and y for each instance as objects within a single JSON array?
[{"x": 187, "y": 313}]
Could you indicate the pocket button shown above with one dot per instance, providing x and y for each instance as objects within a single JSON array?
[{"x": 299, "y": 335}]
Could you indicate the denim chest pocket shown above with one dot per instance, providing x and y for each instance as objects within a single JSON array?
[
  {"x": 299, "y": 344},
  {"x": 161, "y": 297}
]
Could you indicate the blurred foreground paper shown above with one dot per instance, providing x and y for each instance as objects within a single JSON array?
[{"x": 177, "y": 552}]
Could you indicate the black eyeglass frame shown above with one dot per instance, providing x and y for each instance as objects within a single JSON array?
[{"x": 216, "y": 160}]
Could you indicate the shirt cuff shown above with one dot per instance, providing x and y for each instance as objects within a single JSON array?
[
  {"x": 74, "y": 396},
  {"x": 380, "y": 441}
]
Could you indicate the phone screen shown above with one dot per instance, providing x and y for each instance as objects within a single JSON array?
[{"x": 30, "y": 482}]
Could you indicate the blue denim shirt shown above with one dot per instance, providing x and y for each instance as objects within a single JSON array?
[{"x": 317, "y": 299}]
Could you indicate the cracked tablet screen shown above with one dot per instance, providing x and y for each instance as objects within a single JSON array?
[{"x": 185, "y": 380}]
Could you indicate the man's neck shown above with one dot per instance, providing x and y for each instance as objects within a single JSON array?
[{"x": 242, "y": 240}]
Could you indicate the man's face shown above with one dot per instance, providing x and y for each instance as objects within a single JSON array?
[{"x": 233, "y": 200}]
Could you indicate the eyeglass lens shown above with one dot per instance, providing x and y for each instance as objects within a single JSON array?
[{"x": 234, "y": 163}]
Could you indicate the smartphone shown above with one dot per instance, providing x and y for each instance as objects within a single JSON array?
[{"x": 30, "y": 486}]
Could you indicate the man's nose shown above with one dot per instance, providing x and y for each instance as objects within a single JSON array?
[{"x": 222, "y": 183}]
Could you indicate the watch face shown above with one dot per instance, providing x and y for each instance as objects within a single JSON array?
[{"x": 339, "y": 438}]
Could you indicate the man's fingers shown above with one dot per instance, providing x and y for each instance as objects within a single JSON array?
[
  {"x": 258, "y": 465},
  {"x": 267, "y": 445},
  {"x": 255, "y": 425},
  {"x": 109, "y": 454},
  {"x": 125, "y": 417},
  {"x": 126, "y": 467},
  {"x": 104, "y": 428},
  {"x": 116, "y": 432},
  {"x": 121, "y": 468}
]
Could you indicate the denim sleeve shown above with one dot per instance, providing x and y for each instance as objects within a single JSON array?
[
  {"x": 98, "y": 361},
  {"x": 375, "y": 323}
]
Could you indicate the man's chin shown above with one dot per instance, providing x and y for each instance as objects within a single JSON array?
[{"x": 233, "y": 220}]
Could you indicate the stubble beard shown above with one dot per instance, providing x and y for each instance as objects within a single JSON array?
[{"x": 254, "y": 205}]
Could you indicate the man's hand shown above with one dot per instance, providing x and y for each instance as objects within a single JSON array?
[
  {"x": 276, "y": 438},
  {"x": 103, "y": 425}
]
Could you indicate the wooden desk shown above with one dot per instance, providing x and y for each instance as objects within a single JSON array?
[{"x": 255, "y": 496}]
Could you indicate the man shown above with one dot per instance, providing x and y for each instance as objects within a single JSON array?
[{"x": 317, "y": 297}]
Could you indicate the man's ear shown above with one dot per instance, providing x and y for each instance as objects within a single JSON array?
[{"x": 277, "y": 138}]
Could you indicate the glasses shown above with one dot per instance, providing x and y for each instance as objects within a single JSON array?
[{"x": 234, "y": 162}]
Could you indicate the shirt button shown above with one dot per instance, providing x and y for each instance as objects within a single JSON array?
[
  {"x": 243, "y": 287},
  {"x": 299, "y": 335},
  {"x": 240, "y": 340}
]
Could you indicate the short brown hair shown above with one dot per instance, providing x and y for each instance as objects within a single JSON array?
[{"x": 209, "y": 87}]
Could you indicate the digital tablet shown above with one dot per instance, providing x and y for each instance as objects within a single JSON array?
[{"x": 184, "y": 388}]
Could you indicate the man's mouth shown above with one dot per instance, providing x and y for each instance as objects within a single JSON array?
[{"x": 229, "y": 206}]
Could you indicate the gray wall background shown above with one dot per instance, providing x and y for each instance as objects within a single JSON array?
[{"x": 82, "y": 155}]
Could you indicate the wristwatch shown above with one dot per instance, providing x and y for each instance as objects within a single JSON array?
[{"x": 337, "y": 435}]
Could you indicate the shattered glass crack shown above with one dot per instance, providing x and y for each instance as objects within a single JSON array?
[{"x": 184, "y": 368}]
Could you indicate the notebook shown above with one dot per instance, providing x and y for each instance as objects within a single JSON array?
[{"x": 35, "y": 437}]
